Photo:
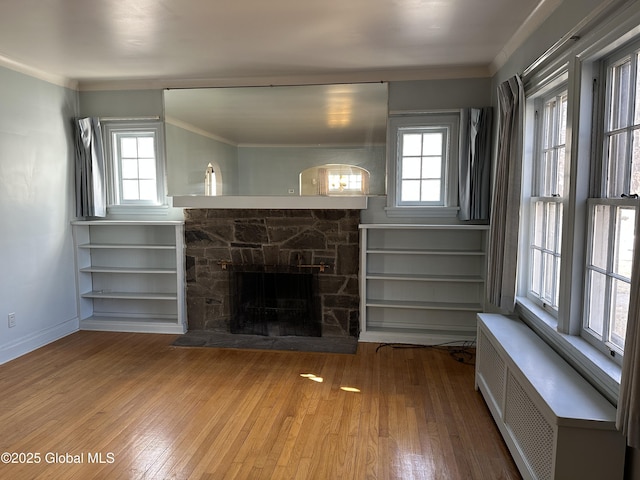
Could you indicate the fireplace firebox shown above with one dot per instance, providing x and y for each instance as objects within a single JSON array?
[{"x": 274, "y": 301}]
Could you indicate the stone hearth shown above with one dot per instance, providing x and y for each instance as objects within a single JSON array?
[{"x": 215, "y": 237}]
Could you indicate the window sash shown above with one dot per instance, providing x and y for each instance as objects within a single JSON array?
[
  {"x": 546, "y": 217},
  {"x": 610, "y": 238},
  {"x": 422, "y": 172}
]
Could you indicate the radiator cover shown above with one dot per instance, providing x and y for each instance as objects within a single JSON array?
[{"x": 556, "y": 425}]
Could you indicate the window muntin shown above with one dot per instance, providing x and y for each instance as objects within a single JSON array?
[
  {"x": 546, "y": 207},
  {"x": 422, "y": 159}
]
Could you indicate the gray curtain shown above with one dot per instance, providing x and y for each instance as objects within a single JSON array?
[
  {"x": 505, "y": 208},
  {"x": 91, "y": 198},
  {"x": 474, "y": 170},
  {"x": 628, "y": 413}
]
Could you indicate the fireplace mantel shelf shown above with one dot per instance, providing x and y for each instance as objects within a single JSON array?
[{"x": 271, "y": 202}]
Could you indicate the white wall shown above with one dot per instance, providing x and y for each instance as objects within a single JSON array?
[{"x": 37, "y": 282}]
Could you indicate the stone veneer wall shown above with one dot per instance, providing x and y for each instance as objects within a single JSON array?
[{"x": 272, "y": 237}]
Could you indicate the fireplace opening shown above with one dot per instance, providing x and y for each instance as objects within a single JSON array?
[{"x": 274, "y": 303}]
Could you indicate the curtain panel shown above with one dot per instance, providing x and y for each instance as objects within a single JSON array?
[
  {"x": 474, "y": 170},
  {"x": 91, "y": 198},
  {"x": 505, "y": 208},
  {"x": 628, "y": 412}
]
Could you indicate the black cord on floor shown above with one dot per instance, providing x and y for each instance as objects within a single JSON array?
[{"x": 464, "y": 353}]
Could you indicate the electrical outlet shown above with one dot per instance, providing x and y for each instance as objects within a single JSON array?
[{"x": 11, "y": 320}]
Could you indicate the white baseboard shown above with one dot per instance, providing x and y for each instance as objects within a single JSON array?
[{"x": 32, "y": 342}]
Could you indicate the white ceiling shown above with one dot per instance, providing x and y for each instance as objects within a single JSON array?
[{"x": 188, "y": 42}]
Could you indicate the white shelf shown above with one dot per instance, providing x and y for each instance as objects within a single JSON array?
[
  {"x": 416, "y": 305},
  {"x": 425, "y": 278},
  {"x": 421, "y": 283},
  {"x": 149, "y": 270},
  {"x": 130, "y": 275},
  {"x": 131, "y": 295},
  {"x": 115, "y": 246}
]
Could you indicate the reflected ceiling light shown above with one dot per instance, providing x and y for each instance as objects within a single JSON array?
[
  {"x": 339, "y": 106},
  {"x": 312, "y": 377}
]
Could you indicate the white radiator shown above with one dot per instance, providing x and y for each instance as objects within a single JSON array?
[{"x": 556, "y": 425}]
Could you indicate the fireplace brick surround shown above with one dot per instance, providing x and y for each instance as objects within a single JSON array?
[{"x": 215, "y": 237}]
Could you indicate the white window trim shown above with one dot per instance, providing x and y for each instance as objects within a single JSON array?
[
  {"x": 398, "y": 120},
  {"x": 160, "y": 207}
]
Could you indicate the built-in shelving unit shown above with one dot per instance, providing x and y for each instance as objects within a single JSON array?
[
  {"x": 421, "y": 283},
  {"x": 130, "y": 275}
]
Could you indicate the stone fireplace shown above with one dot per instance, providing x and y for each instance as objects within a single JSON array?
[{"x": 321, "y": 243}]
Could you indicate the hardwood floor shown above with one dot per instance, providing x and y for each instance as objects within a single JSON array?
[{"x": 131, "y": 406}]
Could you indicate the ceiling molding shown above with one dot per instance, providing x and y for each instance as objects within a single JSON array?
[
  {"x": 363, "y": 76},
  {"x": 544, "y": 9},
  {"x": 37, "y": 73},
  {"x": 191, "y": 128}
]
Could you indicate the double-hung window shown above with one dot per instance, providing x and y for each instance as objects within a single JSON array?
[
  {"x": 546, "y": 201},
  {"x": 135, "y": 163},
  {"x": 612, "y": 210}
]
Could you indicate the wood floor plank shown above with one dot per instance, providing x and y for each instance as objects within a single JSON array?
[{"x": 131, "y": 406}]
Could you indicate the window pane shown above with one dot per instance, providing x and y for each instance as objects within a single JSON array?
[
  {"x": 536, "y": 275},
  {"x": 620, "y": 92},
  {"x": 432, "y": 144},
  {"x": 550, "y": 237},
  {"x": 597, "y": 294},
  {"x": 562, "y": 121},
  {"x": 411, "y": 190},
  {"x": 635, "y": 163},
  {"x": 619, "y": 312},
  {"x": 538, "y": 226},
  {"x": 617, "y": 153},
  {"x": 430, "y": 190},
  {"x": 147, "y": 168},
  {"x": 411, "y": 167},
  {"x": 560, "y": 213},
  {"x": 128, "y": 147},
  {"x": 636, "y": 115},
  {"x": 129, "y": 168},
  {"x": 623, "y": 248},
  {"x": 432, "y": 167},
  {"x": 148, "y": 190},
  {"x": 559, "y": 183},
  {"x": 601, "y": 227},
  {"x": 411, "y": 144},
  {"x": 546, "y": 166},
  {"x": 549, "y": 290},
  {"x": 130, "y": 190},
  {"x": 146, "y": 147}
]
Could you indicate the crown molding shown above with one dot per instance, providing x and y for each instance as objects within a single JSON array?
[
  {"x": 445, "y": 72},
  {"x": 19, "y": 67},
  {"x": 535, "y": 19}
]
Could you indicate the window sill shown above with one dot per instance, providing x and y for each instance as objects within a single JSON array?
[
  {"x": 433, "y": 212},
  {"x": 595, "y": 366}
]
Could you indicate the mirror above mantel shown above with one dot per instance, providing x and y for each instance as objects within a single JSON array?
[{"x": 259, "y": 140}]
